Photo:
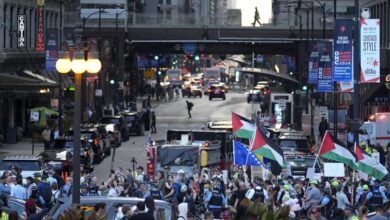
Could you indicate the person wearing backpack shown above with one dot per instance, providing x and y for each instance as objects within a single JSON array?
[
  {"x": 55, "y": 192},
  {"x": 44, "y": 192},
  {"x": 189, "y": 108}
]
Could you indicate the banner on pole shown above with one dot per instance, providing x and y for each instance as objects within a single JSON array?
[
  {"x": 369, "y": 51},
  {"x": 342, "y": 55},
  {"x": 51, "y": 49},
  {"x": 325, "y": 82},
  {"x": 313, "y": 64}
]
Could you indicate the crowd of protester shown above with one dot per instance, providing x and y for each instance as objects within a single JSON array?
[{"x": 208, "y": 194}]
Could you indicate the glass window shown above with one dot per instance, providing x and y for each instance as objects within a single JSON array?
[
  {"x": 160, "y": 2},
  {"x": 27, "y": 165},
  {"x": 169, "y": 2},
  {"x": 168, "y": 14}
]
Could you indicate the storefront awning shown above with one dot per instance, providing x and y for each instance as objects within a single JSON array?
[{"x": 14, "y": 81}]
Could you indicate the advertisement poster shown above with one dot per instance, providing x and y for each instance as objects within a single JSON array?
[
  {"x": 342, "y": 54},
  {"x": 40, "y": 47},
  {"x": 51, "y": 52},
  {"x": 369, "y": 51},
  {"x": 313, "y": 64},
  {"x": 325, "y": 82}
]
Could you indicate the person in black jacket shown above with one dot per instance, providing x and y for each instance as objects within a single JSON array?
[{"x": 189, "y": 108}]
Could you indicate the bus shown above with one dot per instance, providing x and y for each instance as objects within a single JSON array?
[
  {"x": 174, "y": 77},
  {"x": 211, "y": 74}
]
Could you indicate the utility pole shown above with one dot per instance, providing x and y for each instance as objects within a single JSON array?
[
  {"x": 335, "y": 96},
  {"x": 356, "y": 86}
]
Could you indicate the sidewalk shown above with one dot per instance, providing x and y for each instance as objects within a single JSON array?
[{"x": 21, "y": 148}]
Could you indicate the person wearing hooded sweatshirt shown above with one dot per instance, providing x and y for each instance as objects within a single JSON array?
[{"x": 183, "y": 211}]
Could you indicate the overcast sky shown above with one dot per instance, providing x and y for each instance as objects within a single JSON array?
[{"x": 248, "y": 10}]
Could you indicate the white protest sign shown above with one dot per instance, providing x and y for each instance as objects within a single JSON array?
[
  {"x": 324, "y": 112},
  {"x": 334, "y": 170},
  {"x": 282, "y": 104}
]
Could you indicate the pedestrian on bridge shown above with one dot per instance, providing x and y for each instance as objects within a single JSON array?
[
  {"x": 257, "y": 18},
  {"x": 189, "y": 108}
]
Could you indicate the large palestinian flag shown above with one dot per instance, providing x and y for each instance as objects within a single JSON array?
[
  {"x": 263, "y": 146},
  {"x": 369, "y": 165},
  {"x": 242, "y": 127},
  {"x": 333, "y": 149}
]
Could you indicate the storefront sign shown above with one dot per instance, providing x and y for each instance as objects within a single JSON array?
[
  {"x": 342, "y": 56},
  {"x": 40, "y": 47},
  {"x": 369, "y": 51},
  {"x": 325, "y": 82},
  {"x": 51, "y": 51},
  {"x": 21, "y": 31},
  {"x": 313, "y": 64}
]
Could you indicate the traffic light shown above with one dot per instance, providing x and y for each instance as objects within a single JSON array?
[
  {"x": 304, "y": 88},
  {"x": 197, "y": 57},
  {"x": 156, "y": 57},
  {"x": 127, "y": 83},
  {"x": 159, "y": 73},
  {"x": 112, "y": 82}
]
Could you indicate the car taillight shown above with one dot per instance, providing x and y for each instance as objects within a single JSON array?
[
  {"x": 222, "y": 90},
  {"x": 209, "y": 90}
]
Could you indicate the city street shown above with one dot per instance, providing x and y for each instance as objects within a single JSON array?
[{"x": 173, "y": 115}]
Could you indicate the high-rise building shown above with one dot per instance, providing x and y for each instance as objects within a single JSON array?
[{"x": 287, "y": 14}]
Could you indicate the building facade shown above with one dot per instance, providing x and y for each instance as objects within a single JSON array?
[{"x": 24, "y": 83}]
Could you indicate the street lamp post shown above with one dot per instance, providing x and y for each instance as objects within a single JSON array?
[{"x": 78, "y": 65}]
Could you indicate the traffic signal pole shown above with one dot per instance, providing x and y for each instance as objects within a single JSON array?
[{"x": 356, "y": 86}]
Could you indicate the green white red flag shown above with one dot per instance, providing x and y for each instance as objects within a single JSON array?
[
  {"x": 333, "y": 149},
  {"x": 369, "y": 165},
  {"x": 242, "y": 127},
  {"x": 263, "y": 146}
]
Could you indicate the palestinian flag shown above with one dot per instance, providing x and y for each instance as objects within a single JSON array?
[
  {"x": 332, "y": 149},
  {"x": 263, "y": 146},
  {"x": 242, "y": 127},
  {"x": 369, "y": 165}
]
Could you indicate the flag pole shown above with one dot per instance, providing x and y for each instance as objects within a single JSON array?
[
  {"x": 250, "y": 142},
  {"x": 319, "y": 150}
]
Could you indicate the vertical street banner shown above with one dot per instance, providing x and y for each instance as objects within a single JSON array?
[
  {"x": 325, "y": 82},
  {"x": 369, "y": 51},
  {"x": 342, "y": 52},
  {"x": 40, "y": 44},
  {"x": 51, "y": 49},
  {"x": 347, "y": 86},
  {"x": 21, "y": 31},
  {"x": 313, "y": 64}
]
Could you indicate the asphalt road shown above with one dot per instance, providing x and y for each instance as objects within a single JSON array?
[{"x": 173, "y": 115}]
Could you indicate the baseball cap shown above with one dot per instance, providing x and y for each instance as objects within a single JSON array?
[
  {"x": 365, "y": 187},
  {"x": 286, "y": 187},
  {"x": 335, "y": 183}
]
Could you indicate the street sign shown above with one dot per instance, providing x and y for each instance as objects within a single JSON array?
[
  {"x": 34, "y": 117},
  {"x": 149, "y": 73},
  {"x": 324, "y": 112},
  {"x": 282, "y": 104},
  {"x": 98, "y": 92}
]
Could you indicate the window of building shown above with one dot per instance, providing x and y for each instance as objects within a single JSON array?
[
  {"x": 160, "y": 2},
  {"x": 169, "y": 2},
  {"x": 168, "y": 14},
  {"x": 11, "y": 25},
  {"x": 4, "y": 25}
]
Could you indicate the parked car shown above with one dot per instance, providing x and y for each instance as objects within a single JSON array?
[
  {"x": 26, "y": 163},
  {"x": 66, "y": 144},
  {"x": 114, "y": 134},
  {"x": 87, "y": 204},
  {"x": 92, "y": 136},
  {"x": 120, "y": 122},
  {"x": 134, "y": 122}
]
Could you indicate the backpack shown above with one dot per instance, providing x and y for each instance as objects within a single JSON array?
[
  {"x": 53, "y": 197},
  {"x": 46, "y": 193},
  {"x": 190, "y": 104}
]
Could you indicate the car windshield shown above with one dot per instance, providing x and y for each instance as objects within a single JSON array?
[
  {"x": 27, "y": 165},
  {"x": 301, "y": 162},
  {"x": 294, "y": 145},
  {"x": 130, "y": 118},
  {"x": 110, "y": 120}
]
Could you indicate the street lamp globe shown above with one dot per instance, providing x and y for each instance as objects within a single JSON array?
[
  {"x": 78, "y": 63},
  {"x": 63, "y": 65},
  {"x": 93, "y": 63}
]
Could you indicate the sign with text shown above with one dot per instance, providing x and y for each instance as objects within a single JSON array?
[
  {"x": 51, "y": 52},
  {"x": 325, "y": 82},
  {"x": 334, "y": 170},
  {"x": 40, "y": 44},
  {"x": 342, "y": 53},
  {"x": 324, "y": 112},
  {"x": 21, "y": 31},
  {"x": 369, "y": 51},
  {"x": 313, "y": 64}
]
